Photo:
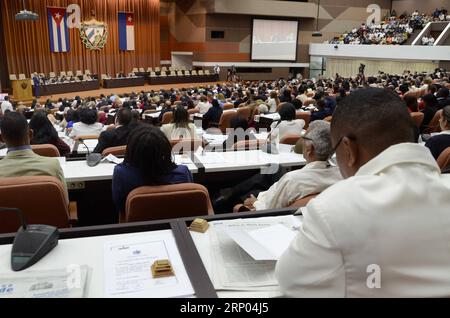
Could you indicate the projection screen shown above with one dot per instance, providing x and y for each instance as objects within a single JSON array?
[{"x": 274, "y": 40}]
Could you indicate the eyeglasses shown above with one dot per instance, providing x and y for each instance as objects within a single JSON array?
[
  {"x": 351, "y": 137},
  {"x": 307, "y": 138},
  {"x": 338, "y": 144}
]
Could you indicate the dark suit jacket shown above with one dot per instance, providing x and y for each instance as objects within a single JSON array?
[
  {"x": 212, "y": 116},
  {"x": 438, "y": 144},
  {"x": 443, "y": 102},
  {"x": 429, "y": 113},
  {"x": 113, "y": 138}
]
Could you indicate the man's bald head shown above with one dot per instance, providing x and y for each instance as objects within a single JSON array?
[{"x": 369, "y": 121}]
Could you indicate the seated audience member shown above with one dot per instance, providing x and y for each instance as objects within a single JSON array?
[
  {"x": 240, "y": 127},
  {"x": 166, "y": 108},
  {"x": 102, "y": 118},
  {"x": 429, "y": 110},
  {"x": 34, "y": 103},
  {"x": 180, "y": 128},
  {"x": 70, "y": 118},
  {"x": 239, "y": 100},
  {"x": 412, "y": 104},
  {"x": 119, "y": 135},
  {"x": 213, "y": 115},
  {"x": 391, "y": 214},
  {"x": 288, "y": 124},
  {"x": 323, "y": 111},
  {"x": 440, "y": 142},
  {"x": 263, "y": 109},
  {"x": 21, "y": 160},
  {"x": 273, "y": 102},
  {"x": 21, "y": 108},
  {"x": 45, "y": 133},
  {"x": 443, "y": 98},
  {"x": 88, "y": 125},
  {"x": 221, "y": 99},
  {"x": 6, "y": 106},
  {"x": 203, "y": 105},
  {"x": 314, "y": 178},
  {"x": 286, "y": 97},
  {"x": 148, "y": 162},
  {"x": 49, "y": 104},
  {"x": 135, "y": 118}
]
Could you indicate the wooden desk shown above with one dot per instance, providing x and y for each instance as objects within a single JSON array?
[
  {"x": 62, "y": 88},
  {"x": 124, "y": 82},
  {"x": 194, "y": 249}
]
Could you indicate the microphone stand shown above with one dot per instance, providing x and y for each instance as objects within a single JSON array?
[
  {"x": 267, "y": 147},
  {"x": 19, "y": 213}
]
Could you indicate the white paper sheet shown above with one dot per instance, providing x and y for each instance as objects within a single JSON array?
[
  {"x": 153, "y": 115},
  {"x": 113, "y": 159},
  {"x": 232, "y": 267},
  {"x": 3, "y": 152},
  {"x": 265, "y": 244},
  {"x": 128, "y": 268},
  {"x": 59, "y": 283},
  {"x": 183, "y": 160}
]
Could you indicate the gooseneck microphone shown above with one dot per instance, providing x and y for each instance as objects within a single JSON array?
[
  {"x": 81, "y": 141},
  {"x": 20, "y": 215},
  {"x": 32, "y": 242},
  {"x": 267, "y": 147},
  {"x": 93, "y": 159}
]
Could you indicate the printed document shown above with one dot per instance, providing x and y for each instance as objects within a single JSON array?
[
  {"x": 232, "y": 267},
  {"x": 265, "y": 244},
  {"x": 63, "y": 283},
  {"x": 128, "y": 270}
]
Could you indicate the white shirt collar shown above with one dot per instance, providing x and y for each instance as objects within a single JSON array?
[
  {"x": 445, "y": 132},
  {"x": 317, "y": 165},
  {"x": 399, "y": 154}
]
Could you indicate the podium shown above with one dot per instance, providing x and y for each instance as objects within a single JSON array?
[{"x": 22, "y": 89}]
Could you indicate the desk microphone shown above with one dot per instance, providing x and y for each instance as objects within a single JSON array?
[
  {"x": 93, "y": 159},
  {"x": 268, "y": 147},
  {"x": 32, "y": 242}
]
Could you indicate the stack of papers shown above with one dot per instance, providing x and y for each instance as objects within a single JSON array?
[
  {"x": 244, "y": 252},
  {"x": 215, "y": 140},
  {"x": 64, "y": 283},
  {"x": 265, "y": 244}
]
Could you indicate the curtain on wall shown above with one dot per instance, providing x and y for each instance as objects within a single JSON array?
[
  {"x": 28, "y": 43},
  {"x": 348, "y": 68}
]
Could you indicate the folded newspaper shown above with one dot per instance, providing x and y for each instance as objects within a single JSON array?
[{"x": 63, "y": 283}]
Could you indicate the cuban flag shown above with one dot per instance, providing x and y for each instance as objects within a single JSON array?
[
  {"x": 59, "y": 32},
  {"x": 126, "y": 31}
]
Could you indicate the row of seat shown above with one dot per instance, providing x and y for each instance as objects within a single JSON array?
[
  {"x": 165, "y": 74},
  {"x": 158, "y": 69},
  {"x": 14, "y": 77},
  {"x": 180, "y": 73}
]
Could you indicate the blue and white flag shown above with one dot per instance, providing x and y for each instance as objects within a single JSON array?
[
  {"x": 58, "y": 30},
  {"x": 126, "y": 31}
]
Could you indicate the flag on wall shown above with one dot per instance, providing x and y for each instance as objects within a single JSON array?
[
  {"x": 58, "y": 30},
  {"x": 126, "y": 31}
]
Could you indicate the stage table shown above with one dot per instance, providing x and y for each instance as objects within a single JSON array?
[
  {"x": 124, "y": 82},
  {"x": 183, "y": 79},
  {"x": 71, "y": 87}
]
